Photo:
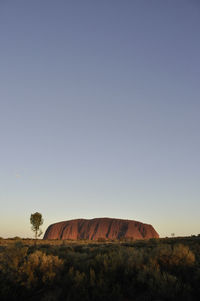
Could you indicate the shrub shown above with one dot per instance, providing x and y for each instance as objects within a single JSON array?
[
  {"x": 101, "y": 239},
  {"x": 177, "y": 255},
  {"x": 39, "y": 269},
  {"x": 18, "y": 268}
]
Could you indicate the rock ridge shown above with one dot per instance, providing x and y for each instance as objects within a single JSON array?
[{"x": 98, "y": 228}]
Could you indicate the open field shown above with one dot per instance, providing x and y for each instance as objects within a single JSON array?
[{"x": 155, "y": 269}]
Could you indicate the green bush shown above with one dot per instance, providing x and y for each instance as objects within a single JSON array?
[
  {"x": 172, "y": 256},
  {"x": 21, "y": 270},
  {"x": 140, "y": 270}
]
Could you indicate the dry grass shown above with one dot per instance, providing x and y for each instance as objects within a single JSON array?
[{"x": 51, "y": 242}]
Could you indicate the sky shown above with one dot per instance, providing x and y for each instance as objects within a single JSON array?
[{"x": 99, "y": 113}]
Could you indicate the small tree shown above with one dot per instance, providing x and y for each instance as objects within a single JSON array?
[{"x": 36, "y": 221}]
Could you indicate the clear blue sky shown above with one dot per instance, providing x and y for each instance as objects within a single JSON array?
[{"x": 100, "y": 112}]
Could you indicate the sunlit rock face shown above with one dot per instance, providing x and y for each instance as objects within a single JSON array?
[{"x": 97, "y": 228}]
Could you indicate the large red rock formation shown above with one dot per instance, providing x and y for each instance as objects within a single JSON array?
[{"x": 93, "y": 229}]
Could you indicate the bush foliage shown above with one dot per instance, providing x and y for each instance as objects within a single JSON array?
[{"x": 165, "y": 269}]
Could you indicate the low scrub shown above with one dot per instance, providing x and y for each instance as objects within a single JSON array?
[{"x": 140, "y": 270}]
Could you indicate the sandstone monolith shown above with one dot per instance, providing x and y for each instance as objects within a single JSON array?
[{"x": 100, "y": 228}]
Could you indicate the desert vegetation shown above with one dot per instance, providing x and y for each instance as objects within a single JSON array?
[
  {"x": 154, "y": 269},
  {"x": 36, "y": 221}
]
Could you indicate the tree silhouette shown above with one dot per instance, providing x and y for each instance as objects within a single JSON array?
[{"x": 36, "y": 221}]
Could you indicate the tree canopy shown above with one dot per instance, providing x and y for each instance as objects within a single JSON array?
[{"x": 36, "y": 221}]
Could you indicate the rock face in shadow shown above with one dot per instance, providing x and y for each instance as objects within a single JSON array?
[{"x": 98, "y": 228}]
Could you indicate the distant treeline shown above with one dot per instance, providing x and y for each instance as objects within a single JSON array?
[{"x": 157, "y": 269}]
